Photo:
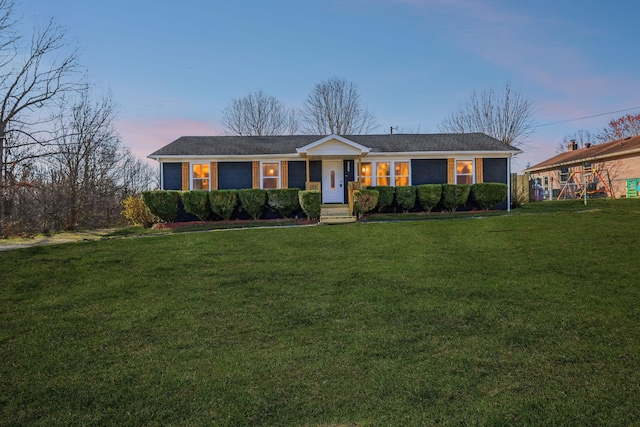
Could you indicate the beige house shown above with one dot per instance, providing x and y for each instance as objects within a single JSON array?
[{"x": 611, "y": 169}]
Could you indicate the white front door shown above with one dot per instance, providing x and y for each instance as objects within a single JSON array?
[{"x": 332, "y": 181}]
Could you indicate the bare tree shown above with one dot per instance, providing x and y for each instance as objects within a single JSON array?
[
  {"x": 506, "y": 116},
  {"x": 334, "y": 107},
  {"x": 623, "y": 127},
  {"x": 91, "y": 172},
  {"x": 84, "y": 176},
  {"x": 33, "y": 75},
  {"x": 258, "y": 114},
  {"x": 582, "y": 137}
]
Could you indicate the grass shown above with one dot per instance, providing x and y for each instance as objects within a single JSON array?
[
  {"x": 530, "y": 318},
  {"x": 133, "y": 231}
]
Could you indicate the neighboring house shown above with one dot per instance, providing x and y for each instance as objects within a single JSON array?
[
  {"x": 609, "y": 165},
  {"x": 331, "y": 163}
]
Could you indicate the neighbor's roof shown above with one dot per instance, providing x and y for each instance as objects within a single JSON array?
[
  {"x": 618, "y": 148},
  {"x": 265, "y": 145}
]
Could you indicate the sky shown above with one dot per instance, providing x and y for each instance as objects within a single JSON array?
[{"x": 171, "y": 67}]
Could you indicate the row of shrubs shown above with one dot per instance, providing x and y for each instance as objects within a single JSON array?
[
  {"x": 448, "y": 197},
  {"x": 226, "y": 204}
]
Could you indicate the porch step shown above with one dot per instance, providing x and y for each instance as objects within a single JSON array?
[{"x": 335, "y": 214}]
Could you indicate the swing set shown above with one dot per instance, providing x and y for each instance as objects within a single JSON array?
[{"x": 588, "y": 186}]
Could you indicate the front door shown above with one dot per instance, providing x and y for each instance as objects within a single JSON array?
[{"x": 332, "y": 181}]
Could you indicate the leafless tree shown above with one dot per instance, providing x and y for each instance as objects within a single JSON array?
[
  {"x": 506, "y": 116},
  {"x": 582, "y": 137},
  {"x": 622, "y": 127},
  {"x": 34, "y": 73},
  {"x": 334, "y": 107},
  {"x": 259, "y": 114},
  {"x": 91, "y": 171}
]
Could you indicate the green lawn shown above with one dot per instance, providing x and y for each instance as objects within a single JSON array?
[{"x": 528, "y": 318}]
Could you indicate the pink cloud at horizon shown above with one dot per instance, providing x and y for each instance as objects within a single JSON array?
[{"x": 144, "y": 136}]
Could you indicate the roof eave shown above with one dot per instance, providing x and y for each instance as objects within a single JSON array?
[{"x": 591, "y": 159}]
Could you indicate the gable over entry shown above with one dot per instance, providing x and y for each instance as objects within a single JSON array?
[{"x": 334, "y": 152}]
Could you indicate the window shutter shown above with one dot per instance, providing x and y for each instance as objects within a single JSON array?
[
  {"x": 213, "y": 175},
  {"x": 284, "y": 174},
  {"x": 479, "y": 171},
  {"x": 451, "y": 171},
  {"x": 255, "y": 175},
  {"x": 185, "y": 176}
]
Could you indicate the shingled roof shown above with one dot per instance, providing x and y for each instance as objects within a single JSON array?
[
  {"x": 265, "y": 145},
  {"x": 594, "y": 153}
]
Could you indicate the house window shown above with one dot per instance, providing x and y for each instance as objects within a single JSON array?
[
  {"x": 386, "y": 173},
  {"x": 383, "y": 173},
  {"x": 270, "y": 175},
  {"x": 200, "y": 173},
  {"x": 564, "y": 174},
  {"x": 401, "y": 170},
  {"x": 365, "y": 175},
  {"x": 464, "y": 171}
]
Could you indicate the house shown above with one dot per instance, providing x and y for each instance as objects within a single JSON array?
[
  {"x": 330, "y": 163},
  {"x": 609, "y": 169}
]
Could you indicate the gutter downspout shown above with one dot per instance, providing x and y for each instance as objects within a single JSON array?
[{"x": 509, "y": 184}]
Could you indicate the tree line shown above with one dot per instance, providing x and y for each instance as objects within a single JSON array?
[
  {"x": 334, "y": 106},
  {"x": 62, "y": 162}
]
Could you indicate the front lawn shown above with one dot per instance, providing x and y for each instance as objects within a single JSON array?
[{"x": 530, "y": 318}]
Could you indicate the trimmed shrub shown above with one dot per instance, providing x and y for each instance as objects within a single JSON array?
[
  {"x": 454, "y": 195},
  {"x": 137, "y": 213},
  {"x": 489, "y": 194},
  {"x": 406, "y": 197},
  {"x": 197, "y": 203},
  {"x": 429, "y": 195},
  {"x": 385, "y": 196},
  {"x": 310, "y": 201},
  {"x": 253, "y": 201},
  {"x": 223, "y": 202},
  {"x": 364, "y": 201},
  {"x": 162, "y": 203},
  {"x": 284, "y": 201}
]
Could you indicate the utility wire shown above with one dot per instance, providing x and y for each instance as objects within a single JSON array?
[{"x": 586, "y": 117}]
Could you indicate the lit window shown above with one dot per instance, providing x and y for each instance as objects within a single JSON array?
[
  {"x": 401, "y": 173},
  {"x": 365, "y": 174},
  {"x": 464, "y": 171},
  {"x": 200, "y": 176},
  {"x": 383, "y": 173},
  {"x": 270, "y": 175}
]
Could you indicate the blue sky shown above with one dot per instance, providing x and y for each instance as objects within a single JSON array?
[{"x": 173, "y": 66}]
